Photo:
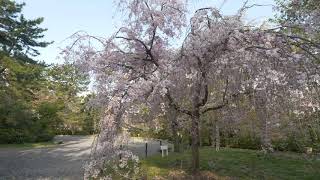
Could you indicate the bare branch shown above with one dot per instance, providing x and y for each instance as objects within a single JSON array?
[
  {"x": 173, "y": 104},
  {"x": 226, "y": 102},
  {"x": 134, "y": 39},
  {"x": 213, "y": 108},
  {"x": 148, "y": 51}
]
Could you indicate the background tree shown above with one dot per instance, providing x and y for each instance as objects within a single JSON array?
[
  {"x": 21, "y": 78},
  {"x": 19, "y": 36},
  {"x": 299, "y": 21},
  {"x": 37, "y": 100},
  {"x": 68, "y": 87},
  {"x": 19, "y": 91}
]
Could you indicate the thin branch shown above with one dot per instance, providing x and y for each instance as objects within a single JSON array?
[
  {"x": 148, "y": 51},
  {"x": 134, "y": 39},
  {"x": 258, "y": 5},
  {"x": 258, "y": 47},
  {"x": 154, "y": 27},
  {"x": 225, "y": 90},
  {"x": 205, "y": 97},
  {"x": 175, "y": 106},
  {"x": 213, "y": 108},
  {"x": 225, "y": 103}
]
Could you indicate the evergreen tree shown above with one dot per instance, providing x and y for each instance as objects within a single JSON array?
[{"x": 19, "y": 36}]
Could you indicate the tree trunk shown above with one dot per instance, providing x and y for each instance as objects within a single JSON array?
[
  {"x": 261, "y": 110},
  {"x": 172, "y": 117},
  {"x": 195, "y": 142},
  {"x": 212, "y": 134},
  {"x": 252, "y": 120},
  {"x": 266, "y": 141},
  {"x": 217, "y": 136},
  {"x": 176, "y": 142}
]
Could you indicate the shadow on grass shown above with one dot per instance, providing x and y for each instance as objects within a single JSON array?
[{"x": 237, "y": 163}]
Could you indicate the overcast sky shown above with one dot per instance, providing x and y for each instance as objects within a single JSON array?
[{"x": 100, "y": 18}]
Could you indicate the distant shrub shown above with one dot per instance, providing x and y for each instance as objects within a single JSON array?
[
  {"x": 293, "y": 143},
  {"x": 9, "y": 136},
  {"x": 244, "y": 142}
]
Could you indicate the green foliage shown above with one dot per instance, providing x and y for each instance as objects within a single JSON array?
[
  {"x": 36, "y": 104},
  {"x": 66, "y": 80},
  {"x": 295, "y": 144},
  {"x": 245, "y": 142},
  {"x": 162, "y": 131},
  {"x": 150, "y": 133},
  {"x": 65, "y": 84},
  {"x": 296, "y": 20},
  {"x": 17, "y": 92},
  {"x": 295, "y": 11},
  {"x": 205, "y": 136},
  {"x": 48, "y": 120},
  {"x": 90, "y": 117},
  {"x": 19, "y": 36},
  {"x": 37, "y": 101}
]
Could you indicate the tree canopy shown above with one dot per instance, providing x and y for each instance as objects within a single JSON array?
[
  {"x": 221, "y": 62},
  {"x": 37, "y": 100},
  {"x": 19, "y": 37}
]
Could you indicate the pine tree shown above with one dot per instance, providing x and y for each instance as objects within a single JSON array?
[{"x": 19, "y": 37}]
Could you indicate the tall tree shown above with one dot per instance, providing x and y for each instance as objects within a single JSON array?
[
  {"x": 19, "y": 90},
  {"x": 299, "y": 21},
  {"x": 64, "y": 86},
  {"x": 219, "y": 52},
  {"x": 21, "y": 77},
  {"x": 19, "y": 36}
]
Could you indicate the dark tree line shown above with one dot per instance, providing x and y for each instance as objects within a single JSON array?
[{"x": 37, "y": 100}]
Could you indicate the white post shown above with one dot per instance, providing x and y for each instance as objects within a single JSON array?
[{"x": 164, "y": 148}]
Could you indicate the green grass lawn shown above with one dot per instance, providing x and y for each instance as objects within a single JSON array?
[
  {"x": 236, "y": 163},
  {"x": 29, "y": 145}
]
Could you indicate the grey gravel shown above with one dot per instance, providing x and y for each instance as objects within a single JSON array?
[{"x": 63, "y": 161}]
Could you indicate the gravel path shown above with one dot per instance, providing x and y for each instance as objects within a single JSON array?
[{"x": 63, "y": 161}]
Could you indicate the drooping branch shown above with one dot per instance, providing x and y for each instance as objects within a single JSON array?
[
  {"x": 134, "y": 39},
  {"x": 204, "y": 100},
  {"x": 154, "y": 27},
  {"x": 205, "y": 96},
  {"x": 225, "y": 90},
  {"x": 175, "y": 105},
  {"x": 82, "y": 35},
  {"x": 213, "y": 108},
  {"x": 148, "y": 50},
  {"x": 225, "y": 101}
]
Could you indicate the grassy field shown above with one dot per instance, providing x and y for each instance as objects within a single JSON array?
[
  {"x": 29, "y": 145},
  {"x": 235, "y": 164}
]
